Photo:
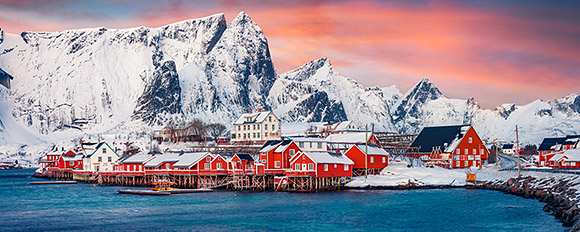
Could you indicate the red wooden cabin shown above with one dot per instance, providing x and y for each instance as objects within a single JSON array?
[
  {"x": 161, "y": 164},
  {"x": 548, "y": 148},
  {"x": 376, "y": 158},
  {"x": 133, "y": 163},
  {"x": 70, "y": 161},
  {"x": 275, "y": 155},
  {"x": 569, "y": 159},
  {"x": 450, "y": 147},
  {"x": 193, "y": 163},
  {"x": 320, "y": 164},
  {"x": 344, "y": 141},
  {"x": 219, "y": 165},
  {"x": 242, "y": 164}
]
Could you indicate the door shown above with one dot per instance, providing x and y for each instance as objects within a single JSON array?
[{"x": 303, "y": 167}]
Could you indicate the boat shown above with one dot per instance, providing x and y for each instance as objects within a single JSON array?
[
  {"x": 163, "y": 187},
  {"x": 53, "y": 182}
]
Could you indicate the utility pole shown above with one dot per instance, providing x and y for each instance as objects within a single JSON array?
[
  {"x": 517, "y": 150},
  {"x": 366, "y": 149}
]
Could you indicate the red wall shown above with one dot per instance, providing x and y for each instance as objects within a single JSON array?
[
  {"x": 318, "y": 168},
  {"x": 284, "y": 158},
  {"x": 358, "y": 157},
  {"x": 476, "y": 144}
]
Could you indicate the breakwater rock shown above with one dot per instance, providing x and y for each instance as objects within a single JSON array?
[{"x": 560, "y": 194}]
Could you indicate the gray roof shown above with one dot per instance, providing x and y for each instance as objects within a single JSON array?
[
  {"x": 162, "y": 158},
  {"x": 136, "y": 159},
  {"x": 372, "y": 150},
  {"x": 328, "y": 158},
  {"x": 187, "y": 160}
]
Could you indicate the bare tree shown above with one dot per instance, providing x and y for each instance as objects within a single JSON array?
[
  {"x": 215, "y": 130},
  {"x": 198, "y": 128}
]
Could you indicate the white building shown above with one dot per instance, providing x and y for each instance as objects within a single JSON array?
[
  {"x": 310, "y": 143},
  {"x": 99, "y": 157},
  {"x": 256, "y": 127}
]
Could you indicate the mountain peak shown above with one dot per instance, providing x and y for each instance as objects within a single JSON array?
[
  {"x": 425, "y": 87},
  {"x": 242, "y": 18},
  {"x": 308, "y": 70}
]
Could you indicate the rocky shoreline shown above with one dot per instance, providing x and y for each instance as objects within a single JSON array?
[{"x": 559, "y": 194}]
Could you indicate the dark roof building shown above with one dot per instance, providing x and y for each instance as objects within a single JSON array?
[
  {"x": 548, "y": 143},
  {"x": 439, "y": 136}
]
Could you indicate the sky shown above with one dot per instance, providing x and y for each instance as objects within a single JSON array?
[{"x": 496, "y": 51}]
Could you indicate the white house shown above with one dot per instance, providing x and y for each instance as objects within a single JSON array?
[
  {"x": 256, "y": 127},
  {"x": 310, "y": 143},
  {"x": 99, "y": 157}
]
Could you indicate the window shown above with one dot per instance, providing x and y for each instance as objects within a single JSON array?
[
  {"x": 470, "y": 157},
  {"x": 326, "y": 167},
  {"x": 455, "y": 157},
  {"x": 310, "y": 144},
  {"x": 270, "y": 119},
  {"x": 319, "y": 145},
  {"x": 249, "y": 166},
  {"x": 572, "y": 163},
  {"x": 481, "y": 152},
  {"x": 470, "y": 140},
  {"x": 254, "y": 126},
  {"x": 466, "y": 163},
  {"x": 303, "y": 157},
  {"x": 207, "y": 166},
  {"x": 208, "y": 159},
  {"x": 71, "y": 163},
  {"x": 239, "y": 128},
  {"x": 457, "y": 163},
  {"x": 258, "y": 134},
  {"x": 277, "y": 164},
  {"x": 258, "y": 126},
  {"x": 239, "y": 136},
  {"x": 296, "y": 167},
  {"x": 334, "y": 165},
  {"x": 104, "y": 150},
  {"x": 219, "y": 165},
  {"x": 301, "y": 144},
  {"x": 477, "y": 157},
  {"x": 292, "y": 152},
  {"x": 263, "y": 161},
  {"x": 346, "y": 165},
  {"x": 372, "y": 159},
  {"x": 100, "y": 159},
  {"x": 110, "y": 159},
  {"x": 458, "y": 151},
  {"x": 474, "y": 151},
  {"x": 310, "y": 166},
  {"x": 466, "y": 151},
  {"x": 384, "y": 160}
]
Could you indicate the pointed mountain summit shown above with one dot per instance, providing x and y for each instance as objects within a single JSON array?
[
  {"x": 308, "y": 70},
  {"x": 412, "y": 101}
]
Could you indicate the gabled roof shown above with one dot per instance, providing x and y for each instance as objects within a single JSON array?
[
  {"x": 507, "y": 146},
  {"x": 269, "y": 145},
  {"x": 328, "y": 158},
  {"x": 136, "y": 159},
  {"x": 352, "y": 138},
  {"x": 68, "y": 158},
  {"x": 259, "y": 117},
  {"x": 445, "y": 137},
  {"x": 339, "y": 126},
  {"x": 372, "y": 150},
  {"x": 98, "y": 146},
  {"x": 162, "y": 158},
  {"x": 548, "y": 143},
  {"x": 245, "y": 157},
  {"x": 570, "y": 141},
  {"x": 282, "y": 147},
  {"x": 572, "y": 154},
  {"x": 187, "y": 160}
]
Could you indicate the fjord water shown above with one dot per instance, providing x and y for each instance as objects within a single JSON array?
[{"x": 84, "y": 207}]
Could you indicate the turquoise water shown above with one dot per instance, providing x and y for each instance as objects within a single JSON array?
[{"x": 83, "y": 207}]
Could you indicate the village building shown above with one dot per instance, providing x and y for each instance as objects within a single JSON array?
[
  {"x": 133, "y": 163},
  {"x": 548, "y": 149},
  {"x": 69, "y": 161},
  {"x": 242, "y": 164},
  {"x": 98, "y": 157},
  {"x": 50, "y": 159},
  {"x": 450, "y": 147},
  {"x": 161, "y": 162},
  {"x": 310, "y": 143},
  {"x": 568, "y": 159},
  {"x": 256, "y": 127},
  {"x": 339, "y": 128},
  {"x": 342, "y": 142},
  {"x": 320, "y": 164},
  {"x": 509, "y": 149},
  {"x": 367, "y": 159},
  {"x": 275, "y": 155}
]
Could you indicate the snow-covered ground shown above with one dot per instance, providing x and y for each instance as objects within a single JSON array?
[{"x": 399, "y": 174}]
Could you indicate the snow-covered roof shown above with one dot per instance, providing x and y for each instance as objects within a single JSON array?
[
  {"x": 573, "y": 155},
  {"x": 354, "y": 137},
  {"x": 306, "y": 139},
  {"x": 447, "y": 138},
  {"x": 372, "y": 150},
  {"x": 340, "y": 126},
  {"x": 328, "y": 158},
  {"x": 283, "y": 146},
  {"x": 187, "y": 160},
  {"x": 269, "y": 145},
  {"x": 54, "y": 153},
  {"x": 68, "y": 158},
  {"x": 257, "y": 117},
  {"x": 137, "y": 159},
  {"x": 161, "y": 158}
]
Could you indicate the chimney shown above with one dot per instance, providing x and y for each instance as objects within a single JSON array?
[
  {"x": 250, "y": 111},
  {"x": 259, "y": 109}
]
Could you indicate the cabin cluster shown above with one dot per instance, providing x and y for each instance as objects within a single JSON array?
[{"x": 560, "y": 152}]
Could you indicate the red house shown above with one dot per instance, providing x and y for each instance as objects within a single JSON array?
[
  {"x": 548, "y": 149},
  {"x": 133, "y": 163},
  {"x": 275, "y": 155},
  {"x": 50, "y": 160},
  {"x": 376, "y": 159},
  {"x": 219, "y": 165},
  {"x": 450, "y": 147},
  {"x": 161, "y": 164},
  {"x": 193, "y": 163},
  {"x": 242, "y": 164},
  {"x": 569, "y": 159},
  {"x": 70, "y": 161},
  {"x": 320, "y": 164}
]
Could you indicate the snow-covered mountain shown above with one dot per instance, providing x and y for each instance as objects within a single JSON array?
[{"x": 100, "y": 80}]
